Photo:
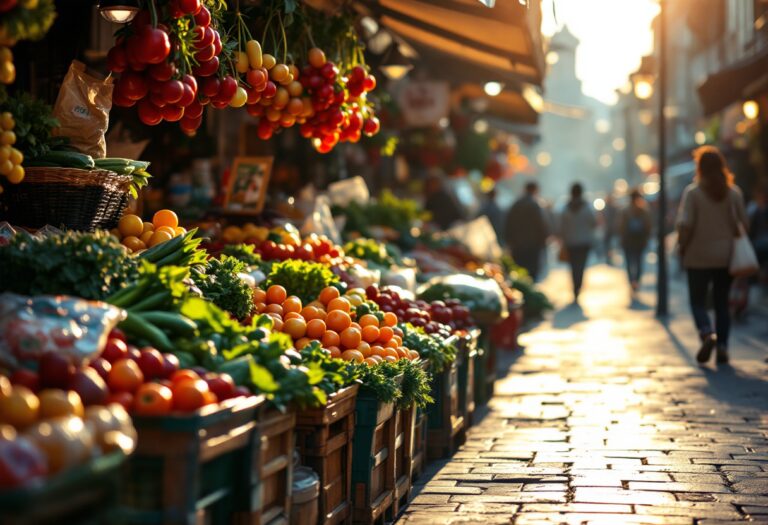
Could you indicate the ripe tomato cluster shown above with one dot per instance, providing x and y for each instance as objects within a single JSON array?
[
  {"x": 152, "y": 79},
  {"x": 340, "y": 111},
  {"x": 313, "y": 248},
  {"x": 343, "y": 325},
  {"x": 440, "y": 318}
]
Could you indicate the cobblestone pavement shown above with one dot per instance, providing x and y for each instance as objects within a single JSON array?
[{"x": 605, "y": 418}]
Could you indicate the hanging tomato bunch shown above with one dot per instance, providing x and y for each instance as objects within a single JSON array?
[{"x": 164, "y": 55}]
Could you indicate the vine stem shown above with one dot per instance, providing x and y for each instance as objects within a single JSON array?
[
  {"x": 285, "y": 38},
  {"x": 153, "y": 12}
]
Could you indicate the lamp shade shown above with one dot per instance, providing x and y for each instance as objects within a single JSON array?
[{"x": 119, "y": 11}]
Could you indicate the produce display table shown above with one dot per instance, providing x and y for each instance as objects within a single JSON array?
[
  {"x": 190, "y": 469},
  {"x": 324, "y": 439},
  {"x": 83, "y": 495},
  {"x": 373, "y": 461},
  {"x": 467, "y": 362},
  {"x": 444, "y": 419},
  {"x": 419, "y": 458}
]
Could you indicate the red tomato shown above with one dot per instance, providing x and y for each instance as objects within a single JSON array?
[
  {"x": 189, "y": 395},
  {"x": 153, "y": 399},
  {"x": 125, "y": 376},
  {"x": 121, "y": 398},
  {"x": 115, "y": 350}
]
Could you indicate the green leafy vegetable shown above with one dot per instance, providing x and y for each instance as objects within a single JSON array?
[
  {"x": 371, "y": 251},
  {"x": 387, "y": 210},
  {"x": 439, "y": 353},
  {"x": 34, "y": 124},
  {"x": 381, "y": 381},
  {"x": 88, "y": 265},
  {"x": 221, "y": 284},
  {"x": 243, "y": 252},
  {"x": 301, "y": 278},
  {"x": 415, "y": 386}
]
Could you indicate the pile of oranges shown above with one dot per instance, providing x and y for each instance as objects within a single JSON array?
[
  {"x": 331, "y": 320},
  {"x": 137, "y": 235}
]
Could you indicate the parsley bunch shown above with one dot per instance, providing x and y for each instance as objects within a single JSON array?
[{"x": 222, "y": 286}]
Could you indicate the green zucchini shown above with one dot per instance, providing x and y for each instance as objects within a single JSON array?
[{"x": 69, "y": 159}]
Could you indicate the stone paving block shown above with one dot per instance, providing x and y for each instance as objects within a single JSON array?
[
  {"x": 691, "y": 509},
  {"x": 611, "y": 495},
  {"x": 589, "y": 508},
  {"x": 520, "y": 497},
  {"x": 695, "y": 478},
  {"x": 488, "y": 508},
  {"x": 430, "y": 499},
  {"x": 679, "y": 487},
  {"x": 437, "y": 489},
  {"x": 535, "y": 518},
  {"x": 752, "y": 486},
  {"x": 545, "y": 487},
  {"x": 430, "y": 518},
  {"x": 464, "y": 477}
]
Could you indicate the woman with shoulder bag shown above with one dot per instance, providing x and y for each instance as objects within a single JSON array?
[
  {"x": 577, "y": 226},
  {"x": 710, "y": 219}
]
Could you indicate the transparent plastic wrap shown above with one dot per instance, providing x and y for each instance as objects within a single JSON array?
[
  {"x": 73, "y": 327},
  {"x": 482, "y": 296}
]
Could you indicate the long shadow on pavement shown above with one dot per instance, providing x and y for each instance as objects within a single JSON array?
[
  {"x": 568, "y": 316},
  {"x": 726, "y": 383}
]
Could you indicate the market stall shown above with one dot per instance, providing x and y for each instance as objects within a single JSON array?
[{"x": 187, "y": 348}]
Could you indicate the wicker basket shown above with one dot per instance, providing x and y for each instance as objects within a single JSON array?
[{"x": 69, "y": 197}]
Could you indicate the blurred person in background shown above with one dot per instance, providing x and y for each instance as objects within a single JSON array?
[
  {"x": 707, "y": 224},
  {"x": 758, "y": 226},
  {"x": 491, "y": 209},
  {"x": 441, "y": 202},
  {"x": 576, "y": 228},
  {"x": 611, "y": 214},
  {"x": 526, "y": 229},
  {"x": 634, "y": 227}
]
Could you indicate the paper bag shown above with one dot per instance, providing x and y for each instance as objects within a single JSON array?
[{"x": 82, "y": 108}]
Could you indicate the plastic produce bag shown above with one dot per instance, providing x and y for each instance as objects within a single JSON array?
[
  {"x": 483, "y": 297},
  {"x": 479, "y": 237},
  {"x": 320, "y": 220},
  {"x": 82, "y": 108},
  {"x": 345, "y": 191},
  {"x": 404, "y": 278},
  {"x": 73, "y": 327}
]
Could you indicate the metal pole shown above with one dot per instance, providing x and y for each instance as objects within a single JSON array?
[{"x": 662, "y": 304}]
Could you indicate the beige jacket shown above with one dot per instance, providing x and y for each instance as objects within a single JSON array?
[{"x": 707, "y": 228}]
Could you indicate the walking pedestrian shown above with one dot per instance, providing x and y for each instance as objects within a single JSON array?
[
  {"x": 441, "y": 202},
  {"x": 635, "y": 230},
  {"x": 577, "y": 225},
  {"x": 526, "y": 230},
  {"x": 610, "y": 216},
  {"x": 707, "y": 223},
  {"x": 491, "y": 209}
]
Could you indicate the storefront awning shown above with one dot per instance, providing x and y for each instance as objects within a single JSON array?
[
  {"x": 505, "y": 40},
  {"x": 736, "y": 83},
  {"x": 512, "y": 106}
]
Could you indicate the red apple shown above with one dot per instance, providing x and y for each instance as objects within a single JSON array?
[
  {"x": 26, "y": 378},
  {"x": 91, "y": 387},
  {"x": 151, "y": 362},
  {"x": 121, "y": 398},
  {"x": 170, "y": 365},
  {"x": 133, "y": 353},
  {"x": 55, "y": 370},
  {"x": 241, "y": 391},
  {"x": 102, "y": 366},
  {"x": 220, "y": 384},
  {"x": 115, "y": 350}
]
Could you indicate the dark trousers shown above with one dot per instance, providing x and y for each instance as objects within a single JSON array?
[
  {"x": 699, "y": 282},
  {"x": 529, "y": 257},
  {"x": 577, "y": 258},
  {"x": 633, "y": 256}
]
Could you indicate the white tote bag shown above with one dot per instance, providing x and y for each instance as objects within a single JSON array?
[{"x": 743, "y": 258}]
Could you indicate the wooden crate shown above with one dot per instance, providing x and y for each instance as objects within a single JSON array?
[
  {"x": 444, "y": 419},
  {"x": 192, "y": 468},
  {"x": 86, "y": 494},
  {"x": 467, "y": 362},
  {"x": 324, "y": 439},
  {"x": 373, "y": 460},
  {"x": 274, "y": 466},
  {"x": 419, "y": 458},
  {"x": 404, "y": 446}
]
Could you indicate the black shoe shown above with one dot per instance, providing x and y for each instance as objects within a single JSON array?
[
  {"x": 708, "y": 343},
  {"x": 722, "y": 355}
]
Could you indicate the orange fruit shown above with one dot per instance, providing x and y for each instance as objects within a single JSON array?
[
  {"x": 274, "y": 309},
  {"x": 302, "y": 342},
  {"x": 276, "y": 294},
  {"x": 385, "y": 334},
  {"x": 377, "y": 358},
  {"x": 328, "y": 294},
  {"x": 167, "y": 229},
  {"x": 259, "y": 295},
  {"x": 403, "y": 352},
  {"x": 390, "y": 319},
  {"x": 370, "y": 361},
  {"x": 165, "y": 218},
  {"x": 355, "y": 325},
  {"x": 317, "y": 304},
  {"x": 159, "y": 237},
  {"x": 390, "y": 359},
  {"x": 179, "y": 230},
  {"x": 370, "y": 333},
  {"x": 130, "y": 225},
  {"x": 391, "y": 351},
  {"x": 291, "y": 315},
  {"x": 350, "y": 338},
  {"x": 398, "y": 339},
  {"x": 133, "y": 243},
  {"x": 391, "y": 343},
  {"x": 368, "y": 319},
  {"x": 340, "y": 303},
  {"x": 414, "y": 354},
  {"x": 364, "y": 349},
  {"x": 335, "y": 352},
  {"x": 259, "y": 307},
  {"x": 377, "y": 350},
  {"x": 397, "y": 332},
  {"x": 292, "y": 304},
  {"x": 338, "y": 321},
  {"x": 277, "y": 321},
  {"x": 146, "y": 236},
  {"x": 352, "y": 355},
  {"x": 316, "y": 328},
  {"x": 310, "y": 312},
  {"x": 330, "y": 338},
  {"x": 148, "y": 227}
]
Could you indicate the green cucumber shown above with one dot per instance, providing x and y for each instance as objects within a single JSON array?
[
  {"x": 151, "y": 302},
  {"x": 136, "y": 326},
  {"x": 173, "y": 322},
  {"x": 161, "y": 250},
  {"x": 69, "y": 159}
]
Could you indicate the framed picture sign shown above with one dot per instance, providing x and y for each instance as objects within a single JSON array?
[{"x": 248, "y": 181}]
